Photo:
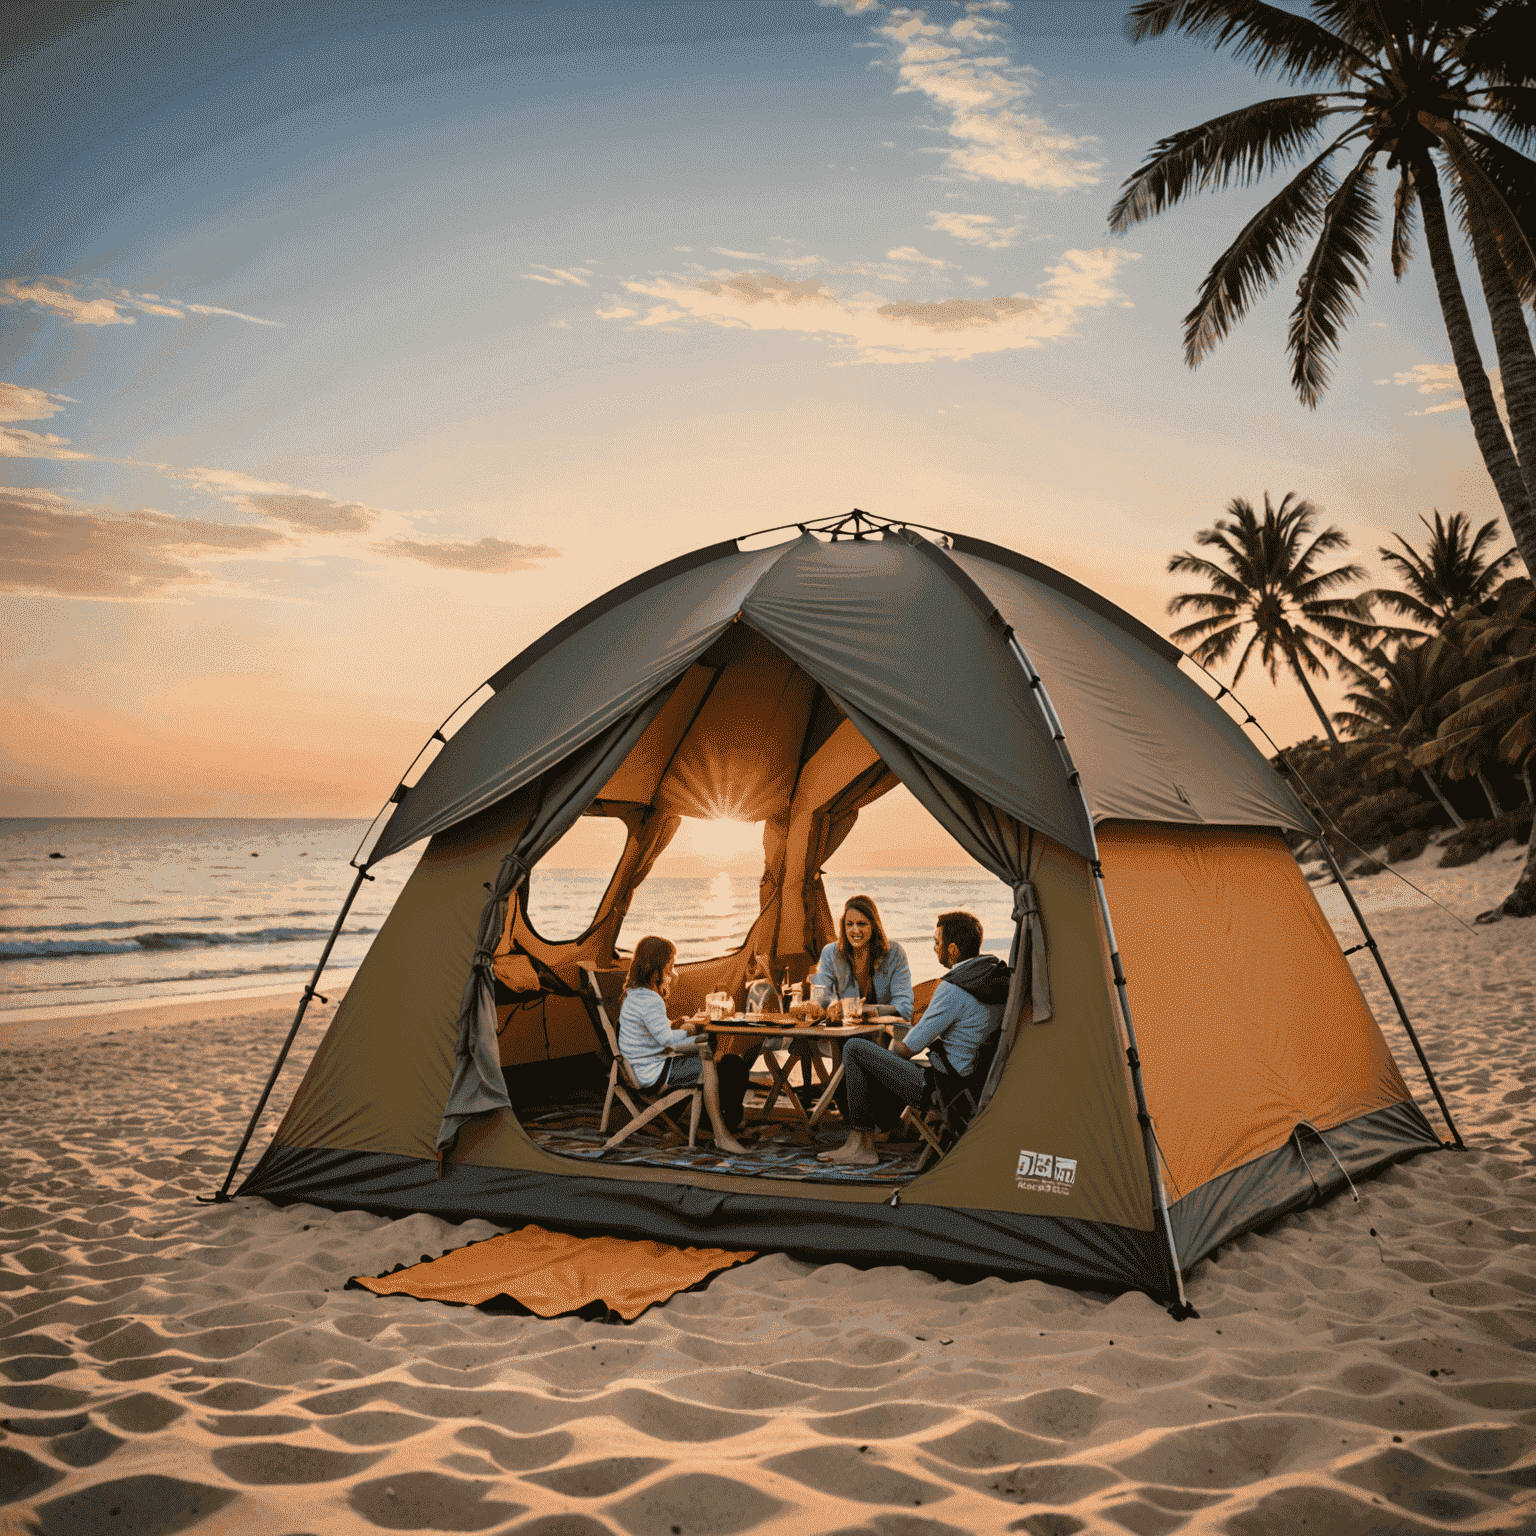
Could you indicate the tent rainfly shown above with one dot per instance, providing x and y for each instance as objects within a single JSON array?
[{"x": 1185, "y": 1053}]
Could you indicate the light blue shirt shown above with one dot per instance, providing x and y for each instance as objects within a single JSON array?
[
  {"x": 645, "y": 1036},
  {"x": 960, "y": 1021},
  {"x": 892, "y": 978}
]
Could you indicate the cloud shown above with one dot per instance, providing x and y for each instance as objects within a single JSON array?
[
  {"x": 301, "y": 509},
  {"x": 19, "y": 402},
  {"x": 488, "y": 556},
  {"x": 976, "y": 228},
  {"x": 959, "y": 314},
  {"x": 852, "y": 7},
  {"x": 965, "y": 71},
  {"x": 49, "y": 545},
  {"x": 1434, "y": 378},
  {"x": 61, "y": 299},
  {"x": 912, "y": 254},
  {"x": 616, "y": 312},
  {"x": 1429, "y": 378},
  {"x": 872, "y": 330},
  {"x": 562, "y": 275},
  {"x": 108, "y": 304},
  {"x": 213, "y": 309},
  {"x": 769, "y": 288},
  {"x": 19, "y": 443},
  {"x": 720, "y": 250}
]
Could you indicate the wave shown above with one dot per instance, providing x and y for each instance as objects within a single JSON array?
[{"x": 142, "y": 943}]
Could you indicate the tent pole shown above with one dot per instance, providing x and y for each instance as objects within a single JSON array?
[
  {"x": 224, "y": 1196},
  {"x": 1386, "y": 976},
  {"x": 1182, "y": 1308}
]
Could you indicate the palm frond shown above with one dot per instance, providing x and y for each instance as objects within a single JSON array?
[
  {"x": 1404, "y": 201},
  {"x": 1310, "y": 593},
  {"x": 1192, "y": 565},
  {"x": 1498, "y": 47},
  {"x": 1237, "y": 147},
  {"x": 1265, "y": 246},
  {"x": 1333, "y": 279},
  {"x": 1262, "y": 35},
  {"x": 1486, "y": 204},
  {"x": 1513, "y": 108},
  {"x": 1510, "y": 172}
]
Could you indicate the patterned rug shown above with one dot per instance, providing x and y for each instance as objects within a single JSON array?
[{"x": 773, "y": 1152}]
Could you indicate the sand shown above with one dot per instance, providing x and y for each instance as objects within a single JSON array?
[{"x": 167, "y": 1366}]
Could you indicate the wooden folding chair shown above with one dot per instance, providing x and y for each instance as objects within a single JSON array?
[{"x": 623, "y": 1085}]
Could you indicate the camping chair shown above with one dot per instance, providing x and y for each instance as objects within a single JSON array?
[
  {"x": 622, "y": 1082},
  {"x": 951, "y": 1100}
]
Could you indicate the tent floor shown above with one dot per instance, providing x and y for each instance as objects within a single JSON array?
[{"x": 776, "y": 1149}]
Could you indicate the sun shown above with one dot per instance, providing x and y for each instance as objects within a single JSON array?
[{"x": 720, "y": 837}]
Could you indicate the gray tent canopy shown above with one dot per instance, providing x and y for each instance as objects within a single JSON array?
[{"x": 1052, "y": 734}]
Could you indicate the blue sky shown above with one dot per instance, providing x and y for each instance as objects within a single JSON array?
[{"x": 344, "y": 348}]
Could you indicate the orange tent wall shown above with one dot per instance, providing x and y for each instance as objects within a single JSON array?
[{"x": 1248, "y": 1017}]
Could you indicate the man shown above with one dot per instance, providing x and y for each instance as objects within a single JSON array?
[{"x": 965, "y": 1010}]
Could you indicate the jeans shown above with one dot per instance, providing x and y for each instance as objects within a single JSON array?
[
  {"x": 687, "y": 1071},
  {"x": 879, "y": 1085}
]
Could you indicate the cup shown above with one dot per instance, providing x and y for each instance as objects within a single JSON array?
[
  {"x": 853, "y": 1010},
  {"x": 820, "y": 995}
]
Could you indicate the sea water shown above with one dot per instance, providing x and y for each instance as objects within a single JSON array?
[{"x": 148, "y": 910}]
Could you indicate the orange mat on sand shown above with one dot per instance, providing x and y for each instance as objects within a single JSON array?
[{"x": 551, "y": 1272}]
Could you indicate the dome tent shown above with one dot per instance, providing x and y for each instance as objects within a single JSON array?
[{"x": 1150, "y": 1092}]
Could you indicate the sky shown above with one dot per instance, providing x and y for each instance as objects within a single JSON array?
[{"x": 345, "y": 348}]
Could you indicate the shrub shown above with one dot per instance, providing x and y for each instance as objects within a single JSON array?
[
  {"x": 1480, "y": 837},
  {"x": 1407, "y": 845}
]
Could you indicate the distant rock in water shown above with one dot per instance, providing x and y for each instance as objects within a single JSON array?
[
  {"x": 55, "y": 855},
  {"x": 255, "y": 855}
]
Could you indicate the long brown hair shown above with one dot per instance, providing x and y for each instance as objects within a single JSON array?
[
  {"x": 652, "y": 956},
  {"x": 878, "y": 943}
]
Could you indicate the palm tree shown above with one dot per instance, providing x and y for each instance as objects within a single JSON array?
[
  {"x": 1399, "y": 701},
  {"x": 1451, "y": 574},
  {"x": 1426, "y": 85},
  {"x": 1431, "y": 85},
  {"x": 1272, "y": 589},
  {"x": 1493, "y": 712}
]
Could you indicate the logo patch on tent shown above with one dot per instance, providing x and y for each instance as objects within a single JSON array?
[{"x": 1043, "y": 1173}]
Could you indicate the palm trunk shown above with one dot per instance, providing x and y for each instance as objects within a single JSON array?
[
  {"x": 1439, "y": 794},
  {"x": 1301, "y": 677},
  {"x": 1492, "y": 440},
  {"x": 1517, "y": 373},
  {"x": 1494, "y": 808}
]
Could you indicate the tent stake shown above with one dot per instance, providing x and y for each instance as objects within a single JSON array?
[
  {"x": 1181, "y": 1309},
  {"x": 1386, "y": 976},
  {"x": 224, "y": 1196}
]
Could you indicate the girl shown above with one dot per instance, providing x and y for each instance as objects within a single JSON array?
[{"x": 646, "y": 1036}]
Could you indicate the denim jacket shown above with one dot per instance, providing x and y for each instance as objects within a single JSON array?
[{"x": 892, "y": 978}]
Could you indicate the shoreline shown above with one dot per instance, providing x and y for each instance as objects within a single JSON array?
[{"x": 36, "y": 1026}]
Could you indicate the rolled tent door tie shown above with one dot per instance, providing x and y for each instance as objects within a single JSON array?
[
  {"x": 1031, "y": 927},
  {"x": 478, "y": 1086}
]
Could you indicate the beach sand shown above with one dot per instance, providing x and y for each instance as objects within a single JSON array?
[{"x": 167, "y": 1366}]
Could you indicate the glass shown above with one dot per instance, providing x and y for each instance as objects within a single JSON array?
[
  {"x": 820, "y": 995},
  {"x": 853, "y": 1010},
  {"x": 719, "y": 1005},
  {"x": 760, "y": 994}
]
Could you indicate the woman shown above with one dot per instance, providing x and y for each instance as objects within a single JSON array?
[
  {"x": 864, "y": 963},
  {"x": 646, "y": 1036}
]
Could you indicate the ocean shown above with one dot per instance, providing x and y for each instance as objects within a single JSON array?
[{"x": 146, "y": 910}]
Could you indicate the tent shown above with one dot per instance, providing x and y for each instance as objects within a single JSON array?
[{"x": 1185, "y": 1052}]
